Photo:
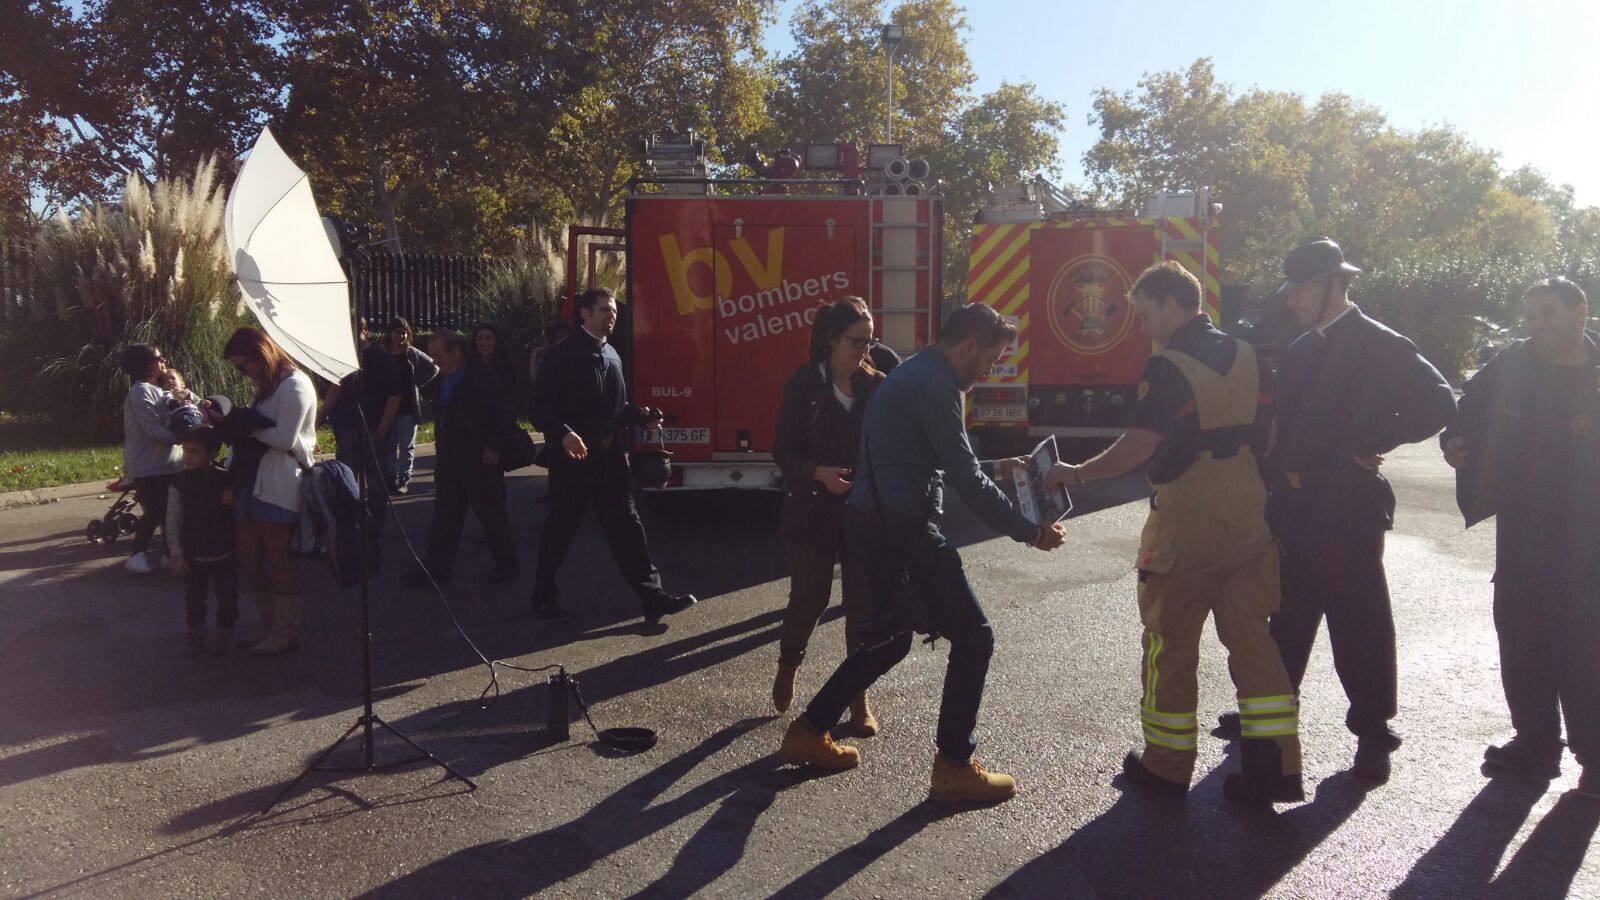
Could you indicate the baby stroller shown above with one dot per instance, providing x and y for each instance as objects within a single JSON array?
[{"x": 122, "y": 518}]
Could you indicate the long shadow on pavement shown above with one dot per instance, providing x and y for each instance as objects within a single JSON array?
[
  {"x": 1151, "y": 846},
  {"x": 528, "y": 865},
  {"x": 1463, "y": 862}
]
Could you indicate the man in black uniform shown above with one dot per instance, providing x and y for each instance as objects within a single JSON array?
[
  {"x": 1348, "y": 391},
  {"x": 579, "y": 403},
  {"x": 1526, "y": 448},
  {"x": 472, "y": 424}
]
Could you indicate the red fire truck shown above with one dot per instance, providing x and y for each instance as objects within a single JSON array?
[
  {"x": 722, "y": 290},
  {"x": 1062, "y": 274}
]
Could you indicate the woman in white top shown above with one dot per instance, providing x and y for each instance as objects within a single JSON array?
[
  {"x": 150, "y": 451},
  {"x": 266, "y": 492}
]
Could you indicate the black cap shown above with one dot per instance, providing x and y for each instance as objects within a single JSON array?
[{"x": 1314, "y": 261}]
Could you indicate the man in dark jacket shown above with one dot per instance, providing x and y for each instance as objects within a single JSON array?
[
  {"x": 1526, "y": 448},
  {"x": 472, "y": 422},
  {"x": 914, "y": 438},
  {"x": 368, "y": 399},
  {"x": 579, "y": 402},
  {"x": 1348, "y": 391}
]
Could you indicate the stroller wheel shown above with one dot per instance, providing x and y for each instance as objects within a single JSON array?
[
  {"x": 128, "y": 523},
  {"x": 96, "y": 531}
]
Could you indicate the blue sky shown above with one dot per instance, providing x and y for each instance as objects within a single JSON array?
[{"x": 1522, "y": 78}]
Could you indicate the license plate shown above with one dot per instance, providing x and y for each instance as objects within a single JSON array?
[
  {"x": 1000, "y": 413},
  {"x": 675, "y": 435}
]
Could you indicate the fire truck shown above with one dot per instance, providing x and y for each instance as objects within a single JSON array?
[
  {"x": 1061, "y": 272},
  {"x": 725, "y": 277}
]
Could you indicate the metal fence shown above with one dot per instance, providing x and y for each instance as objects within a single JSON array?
[
  {"x": 428, "y": 290},
  {"x": 16, "y": 275}
]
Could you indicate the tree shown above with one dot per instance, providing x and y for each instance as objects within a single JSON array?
[
  {"x": 112, "y": 88},
  {"x": 831, "y": 87}
]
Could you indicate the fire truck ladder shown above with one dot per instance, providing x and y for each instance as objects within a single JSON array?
[{"x": 901, "y": 248}]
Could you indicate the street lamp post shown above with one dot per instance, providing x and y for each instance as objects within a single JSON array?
[{"x": 892, "y": 36}]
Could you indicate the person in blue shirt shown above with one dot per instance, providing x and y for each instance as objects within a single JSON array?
[{"x": 914, "y": 439}]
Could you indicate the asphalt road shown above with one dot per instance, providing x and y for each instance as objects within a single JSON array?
[{"x": 128, "y": 770}]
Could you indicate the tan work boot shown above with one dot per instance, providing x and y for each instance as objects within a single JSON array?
[
  {"x": 285, "y": 633},
  {"x": 265, "y": 601},
  {"x": 804, "y": 746},
  {"x": 861, "y": 718},
  {"x": 783, "y": 687},
  {"x": 971, "y": 782}
]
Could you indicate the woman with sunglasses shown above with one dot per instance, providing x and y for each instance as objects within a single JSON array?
[
  {"x": 266, "y": 483},
  {"x": 816, "y": 443},
  {"x": 151, "y": 454}
]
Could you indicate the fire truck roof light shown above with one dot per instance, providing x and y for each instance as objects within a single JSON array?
[
  {"x": 879, "y": 155},
  {"x": 824, "y": 156}
]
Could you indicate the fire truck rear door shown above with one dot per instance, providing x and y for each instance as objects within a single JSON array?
[{"x": 780, "y": 275}]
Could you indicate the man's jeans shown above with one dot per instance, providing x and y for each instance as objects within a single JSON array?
[{"x": 952, "y": 609}]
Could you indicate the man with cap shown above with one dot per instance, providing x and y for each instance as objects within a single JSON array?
[
  {"x": 1526, "y": 450},
  {"x": 1348, "y": 391},
  {"x": 1205, "y": 550}
]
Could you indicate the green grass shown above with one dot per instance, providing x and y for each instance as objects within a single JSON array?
[{"x": 36, "y": 453}]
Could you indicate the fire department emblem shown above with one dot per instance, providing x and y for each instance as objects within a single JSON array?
[{"x": 1088, "y": 304}]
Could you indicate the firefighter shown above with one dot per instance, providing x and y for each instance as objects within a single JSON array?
[
  {"x": 1206, "y": 549},
  {"x": 1347, "y": 392},
  {"x": 579, "y": 402},
  {"x": 1526, "y": 448}
]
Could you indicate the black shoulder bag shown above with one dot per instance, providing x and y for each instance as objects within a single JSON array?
[{"x": 899, "y": 597}]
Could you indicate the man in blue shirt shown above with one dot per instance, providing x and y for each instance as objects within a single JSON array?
[{"x": 914, "y": 439}]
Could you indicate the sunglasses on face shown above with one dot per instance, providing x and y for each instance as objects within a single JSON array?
[{"x": 242, "y": 368}]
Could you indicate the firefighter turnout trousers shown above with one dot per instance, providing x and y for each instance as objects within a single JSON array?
[{"x": 1206, "y": 549}]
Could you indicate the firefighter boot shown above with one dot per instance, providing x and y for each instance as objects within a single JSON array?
[
  {"x": 1134, "y": 768},
  {"x": 264, "y": 601},
  {"x": 1372, "y": 757},
  {"x": 805, "y": 746},
  {"x": 284, "y": 635},
  {"x": 783, "y": 687},
  {"x": 1263, "y": 781},
  {"x": 862, "y": 721},
  {"x": 969, "y": 782},
  {"x": 1523, "y": 757}
]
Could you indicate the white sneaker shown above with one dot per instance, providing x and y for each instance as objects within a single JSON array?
[{"x": 138, "y": 564}]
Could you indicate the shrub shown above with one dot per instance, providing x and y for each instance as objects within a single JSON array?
[{"x": 151, "y": 268}]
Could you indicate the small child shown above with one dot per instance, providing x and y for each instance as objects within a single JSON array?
[
  {"x": 183, "y": 413},
  {"x": 200, "y": 539}
]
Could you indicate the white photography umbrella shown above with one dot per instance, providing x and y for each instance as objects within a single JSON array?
[{"x": 286, "y": 267}]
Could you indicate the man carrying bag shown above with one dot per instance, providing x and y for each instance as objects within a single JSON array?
[{"x": 913, "y": 438}]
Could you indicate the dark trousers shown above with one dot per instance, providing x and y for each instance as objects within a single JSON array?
[
  {"x": 952, "y": 609},
  {"x": 1549, "y": 634},
  {"x": 223, "y": 576},
  {"x": 810, "y": 587},
  {"x": 481, "y": 489},
  {"x": 348, "y": 449},
  {"x": 151, "y": 493},
  {"x": 573, "y": 489},
  {"x": 1344, "y": 581}
]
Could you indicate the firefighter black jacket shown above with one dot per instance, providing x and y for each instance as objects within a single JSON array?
[
  {"x": 813, "y": 430},
  {"x": 1534, "y": 462}
]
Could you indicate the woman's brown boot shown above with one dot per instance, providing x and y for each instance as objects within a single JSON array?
[
  {"x": 862, "y": 721},
  {"x": 783, "y": 687}
]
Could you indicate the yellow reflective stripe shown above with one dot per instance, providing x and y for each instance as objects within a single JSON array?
[
  {"x": 1174, "y": 741},
  {"x": 1277, "y": 703},
  {"x": 1167, "y": 720},
  {"x": 1268, "y": 727},
  {"x": 1151, "y": 673}
]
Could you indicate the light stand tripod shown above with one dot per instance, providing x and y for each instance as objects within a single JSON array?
[{"x": 367, "y": 461}]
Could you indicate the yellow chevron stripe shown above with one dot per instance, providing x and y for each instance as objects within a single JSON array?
[
  {"x": 1015, "y": 303},
  {"x": 1211, "y": 255},
  {"x": 991, "y": 237},
  {"x": 975, "y": 286},
  {"x": 998, "y": 292},
  {"x": 1188, "y": 261},
  {"x": 1184, "y": 228}
]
